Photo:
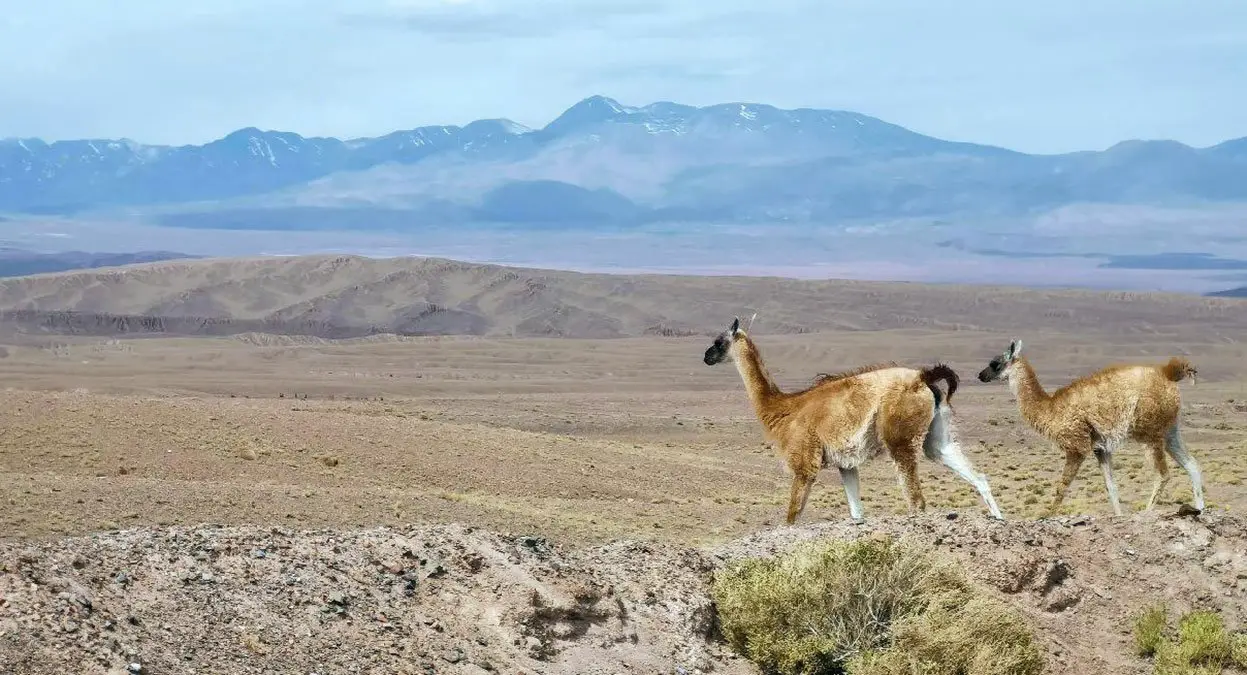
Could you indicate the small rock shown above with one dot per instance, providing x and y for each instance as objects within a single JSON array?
[
  {"x": 259, "y": 553},
  {"x": 952, "y": 515},
  {"x": 433, "y": 569},
  {"x": 135, "y": 667},
  {"x": 338, "y": 598},
  {"x": 453, "y": 656}
]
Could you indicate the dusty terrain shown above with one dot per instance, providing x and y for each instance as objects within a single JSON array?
[
  {"x": 452, "y": 599},
  {"x": 581, "y": 442}
]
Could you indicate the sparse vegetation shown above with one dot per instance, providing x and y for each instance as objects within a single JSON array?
[
  {"x": 868, "y": 608},
  {"x": 1201, "y": 646},
  {"x": 1149, "y": 630}
]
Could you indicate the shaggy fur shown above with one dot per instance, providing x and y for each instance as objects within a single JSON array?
[{"x": 1098, "y": 412}]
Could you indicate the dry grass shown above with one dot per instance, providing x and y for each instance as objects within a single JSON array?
[{"x": 870, "y": 607}]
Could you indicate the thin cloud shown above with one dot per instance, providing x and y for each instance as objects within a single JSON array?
[{"x": 490, "y": 20}]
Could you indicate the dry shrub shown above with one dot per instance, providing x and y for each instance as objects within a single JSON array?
[
  {"x": 869, "y": 607},
  {"x": 1238, "y": 650},
  {"x": 958, "y": 634}
]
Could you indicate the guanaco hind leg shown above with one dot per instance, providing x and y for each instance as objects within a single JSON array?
[
  {"x": 941, "y": 446},
  {"x": 852, "y": 492},
  {"x": 1160, "y": 463},
  {"x": 907, "y": 476},
  {"x": 1105, "y": 458}
]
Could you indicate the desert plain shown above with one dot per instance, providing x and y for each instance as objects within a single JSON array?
[{"x": 281, "y": 395}]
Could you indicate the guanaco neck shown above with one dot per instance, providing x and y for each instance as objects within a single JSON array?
[
  {"x": 763, "y": 392},
  {"x": 1033, "y": 401}
]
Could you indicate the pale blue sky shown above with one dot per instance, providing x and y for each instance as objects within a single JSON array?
[{"x": 1036, "y": 76}]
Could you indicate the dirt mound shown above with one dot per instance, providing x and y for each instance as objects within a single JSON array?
[
  {"x": 445, "y": 599},
  {"x": 452, "y": 599}
]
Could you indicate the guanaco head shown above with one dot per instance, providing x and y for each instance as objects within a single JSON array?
[
  {"x": 722, "y": 347},
  {"x": 999, "y": 367}
]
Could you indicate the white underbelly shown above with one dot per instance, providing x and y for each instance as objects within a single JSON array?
[{"x": 855, "y": 450}]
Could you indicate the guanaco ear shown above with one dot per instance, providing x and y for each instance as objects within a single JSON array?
[
  {"x": 735, "y": 326},
  {"x": 1015, "y": 349}
]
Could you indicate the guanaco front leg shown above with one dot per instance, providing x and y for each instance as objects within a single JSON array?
[
  {"x": 1073, "y": 461},
  {"x": 799, "y": 494}
]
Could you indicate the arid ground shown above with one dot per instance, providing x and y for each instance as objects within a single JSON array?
[{"x": 578, "y": 440}]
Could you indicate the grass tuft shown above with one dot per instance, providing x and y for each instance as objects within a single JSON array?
[
  {"x": 870, "y": 607},
  {"x": 1202, "y": 646},
  {"x": 1149, "y": 630}
]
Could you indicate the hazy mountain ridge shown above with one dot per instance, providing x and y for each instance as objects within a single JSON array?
[
  {"x": 17, "y": 262},
  {"x": 602, "y": 162}
]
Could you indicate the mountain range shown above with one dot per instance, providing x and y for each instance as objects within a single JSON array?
[{"x": 602, "y": 162}]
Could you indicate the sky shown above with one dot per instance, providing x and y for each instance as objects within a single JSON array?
[{"x": 1050, "y": 76}]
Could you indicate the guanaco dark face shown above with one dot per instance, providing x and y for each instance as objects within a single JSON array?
[
  {"x": 718, "y": 352},
  {"x": 999, "y": 366}
]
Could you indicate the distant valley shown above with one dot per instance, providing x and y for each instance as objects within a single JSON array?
[{"x": 735, "y": 188}]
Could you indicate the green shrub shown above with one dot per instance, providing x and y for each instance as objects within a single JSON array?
[
  {"x": 1203, "y": 639},
  {"x": 870, "y": 607},
  {"x": 1202, "y": 645},
  {"x": 1149, "y": 630}
]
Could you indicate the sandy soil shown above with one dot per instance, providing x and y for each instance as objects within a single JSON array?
[{"x": 138, "y": 450}]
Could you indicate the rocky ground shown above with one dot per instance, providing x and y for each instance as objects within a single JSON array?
[{"x": 454, "y": 599}]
